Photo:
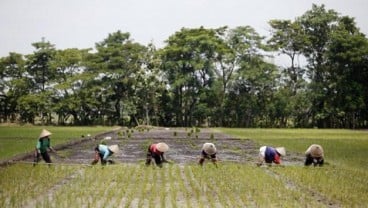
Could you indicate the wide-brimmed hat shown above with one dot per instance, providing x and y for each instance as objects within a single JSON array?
[
  {"x": 281, "y": 150},
  {"x": 162, "y": 147},
  {"x": 209, "y": 148},
  {"x": 315, "y": 150},
  {"x": 44, "y": 133},
  {"x": 114, "y": 148}
]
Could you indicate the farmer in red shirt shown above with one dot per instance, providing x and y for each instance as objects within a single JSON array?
[
  {"x": 271, "y": 155},
  {"x": 157, "y": 152}
]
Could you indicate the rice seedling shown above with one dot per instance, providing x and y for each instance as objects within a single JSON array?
[{"x": 340, "y": 183}]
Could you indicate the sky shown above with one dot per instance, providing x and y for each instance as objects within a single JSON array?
[{"x": 82, "y": 23}]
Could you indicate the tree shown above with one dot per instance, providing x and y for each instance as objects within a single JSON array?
[
  {"x": 118, "y": 66},
  {"x": 347, "y": 55},
  {"x": 42, "y": 78},
  {"x": 188, "y": 64},
  {"x": 254, "y": 80},
  {"x": 317, "y": 25},
  {"x": 69, "y": 66},
  {"x": 12, "y": 85}
]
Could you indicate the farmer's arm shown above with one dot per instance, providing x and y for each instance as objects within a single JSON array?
[
  {"x": 96, "y": 159},
  {"x": 38, "y": 146},
  {"x": 52, "y": 149},
  {"x": 277, "y": 159},
  {"x": 163, "y": 158},
  {"x": 106, "y": 154}
]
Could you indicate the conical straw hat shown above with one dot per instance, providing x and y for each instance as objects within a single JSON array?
[
  {"x": 44, "y": 133},
  {"x": 162, "y": 147},
  {"x": 281, "y": 150},
  {"x": 209, "y": 148},
  {"x": 114, "y": 148},
  {"x": 315, "y": 150}
]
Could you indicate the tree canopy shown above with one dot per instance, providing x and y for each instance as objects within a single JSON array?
[{"x": 200, "y": 77}]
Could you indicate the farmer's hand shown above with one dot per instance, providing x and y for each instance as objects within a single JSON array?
[{"x": 166, "y": 161}]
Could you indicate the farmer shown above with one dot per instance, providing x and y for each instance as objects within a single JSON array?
[
  {"x": 314, "y": 154},
  {"x": 43, "y": 145},
  {"x": 157, "y": 152},
  {"x": 271, "y": 155},
  {"x": 103, "y": 152},
  {"x": 208, "y": 152}
]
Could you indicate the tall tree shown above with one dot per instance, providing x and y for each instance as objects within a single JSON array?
[
  {"x": 118, "y": 66},
  {"x": 317, "y": 24},
  {"x": 42, "y": 77},
  {"x": 347, "y": 55},
  {"x": 69, "y": 65},
  {"x": 188, "y": 62},
  {"x": 254, "y": 81},
  {"x": 12, "y": 85}
]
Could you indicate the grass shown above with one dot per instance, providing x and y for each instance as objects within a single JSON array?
[
  {"x": 231, "y": 185},
  {"x": 340, "y": 183},
  {"x": 341, "y": 147},
  {"x": 19, "y": 139}
]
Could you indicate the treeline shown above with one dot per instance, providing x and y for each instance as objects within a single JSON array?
[{"x": 215, "y": 77}]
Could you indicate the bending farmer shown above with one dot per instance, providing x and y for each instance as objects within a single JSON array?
[
  {"x": 208, "y": 152},
  {"x": 103, "y": 152},
  {"x": 314, "y": 154},
  {"x": 271, "y": 155},
  {"x": 156, "y": 151}
]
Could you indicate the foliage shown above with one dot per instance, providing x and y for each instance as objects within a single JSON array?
[{"x": 200, "y": 77}]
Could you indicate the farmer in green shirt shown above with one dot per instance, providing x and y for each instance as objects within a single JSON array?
[{"x": 43, "y": 145}]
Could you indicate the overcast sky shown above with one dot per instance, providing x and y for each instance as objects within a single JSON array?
[{"x": 82, "y": 23}]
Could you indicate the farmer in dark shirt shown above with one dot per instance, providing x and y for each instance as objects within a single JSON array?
[
  {"x": 43, "y": 145},
  {"x": 156, "y": 151},
  {"x": 314, "y": 154},
  {"x": 208, "y": 152}
]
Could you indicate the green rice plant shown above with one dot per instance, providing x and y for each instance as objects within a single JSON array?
[
  {"x": 230, "y": 185},
  {"x": 194, "y": 185},
  {"x": 341, "y": 147},
  {"x": 23, "y": 182},
  {"x": 212, "y": 136},
  {"x": 120, "y": 135},
  {"x": 345, "y": 186}
]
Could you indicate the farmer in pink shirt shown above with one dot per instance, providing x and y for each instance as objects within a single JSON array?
[{"x": 156, "y": 151}]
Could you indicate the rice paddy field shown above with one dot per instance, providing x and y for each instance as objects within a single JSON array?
[{"x": 236, "y": 182}]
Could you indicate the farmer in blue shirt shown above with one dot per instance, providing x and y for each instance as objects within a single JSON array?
[
  {"x": 43, "y": 145},
  {"x": 103, "y": 152},
  {"x": 270, "y": 155}
]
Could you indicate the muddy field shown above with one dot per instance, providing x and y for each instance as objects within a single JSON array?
[
  {"x": 183, "y": 185},
  {"x": 185, "y": 147}
]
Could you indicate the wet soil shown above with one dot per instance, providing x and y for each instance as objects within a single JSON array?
[{"x": 185, "y": 147}]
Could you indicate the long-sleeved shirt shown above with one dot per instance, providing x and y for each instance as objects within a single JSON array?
[
  {"x": 43, "y": 144},
  {"x": 272, "y": 156},
  {"x": 104, "y": 150},
  {"x": 153, "y": 149}
]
